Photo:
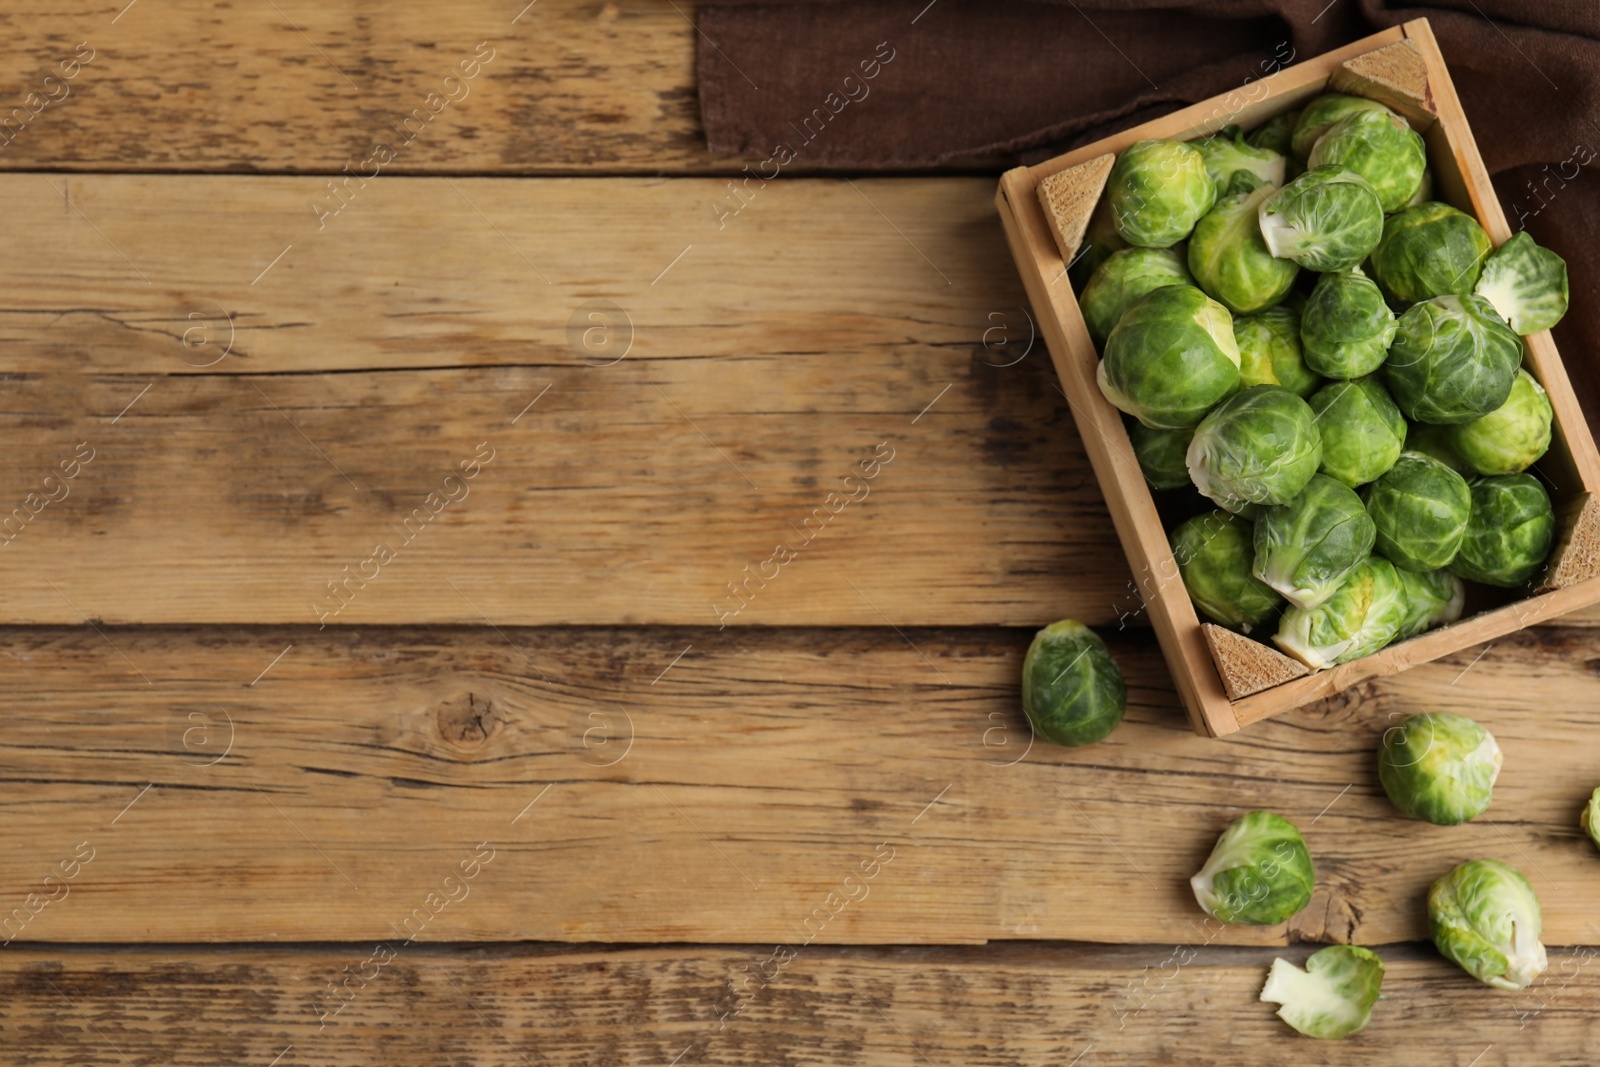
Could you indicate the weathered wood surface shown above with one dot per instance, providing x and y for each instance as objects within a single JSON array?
[
  {"x": 1145, "y": 1006},
  {"x": 765, "y": 766}
]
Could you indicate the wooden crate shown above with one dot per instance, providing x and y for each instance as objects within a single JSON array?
[{"x": 1227, "y": 681}]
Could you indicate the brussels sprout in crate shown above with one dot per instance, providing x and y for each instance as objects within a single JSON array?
[
  {"x": 1509, "y": 532},
  {"x": 1162, "y": 455},
  {"x": 1363, "y": 614},
  {"x": 1277, "y": 135},
  {"x": 1306, "y": 547},
  {"x": 1328, "y": 219},
  {"x": 1260, "y": 446},
  {"x": 1420, "y": 508},
  {"x": 1346, "y": 327},
  {"x": 1362, "y": 431},
  {"x": 1509, "y": 439},
  {"x": 1526, "y": 284},
  {"x": 1158, "y": 190},
  {"x": 1433, "y": 598},
  {"x": 1227, "y": 153},
  {"x": 1453, "y": 360},
  {"x": 1321, "y": 114},
  {"x": 1430, "y": 249},
  {"x": 1214, "y": 553},
  {"x": 1485, "y": 918},
  {"x": 1435, "y": 441},
  {"x": 1440, "y": 767},
  {"x": 1124, "y": 277},
  {"x": 1072, "y": 690},
  {"x": 1171, "y": 358},
  {"x": 1333, "y": 996},
  {"x": 1270, "y": 352},
  {"x": 1381, "y": 147},
  {"x": 1228, "y": 257},
  {"x": 1258, "y": 874}
]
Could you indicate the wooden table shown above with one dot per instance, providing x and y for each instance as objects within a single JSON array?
[{"x": 400, "y": 667}]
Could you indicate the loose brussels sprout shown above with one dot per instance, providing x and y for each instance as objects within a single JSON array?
[
  {"x": 1171, "y": 358},
  {"x": 1227, "y": 152},
  {"x": 1214, "y": 554},
  {"x": 1430, "y": 249},
  {"x": 1362, "y": 431},
  {"x": 1420, "y": 508},
  {"x": 1509, "y": 532},
  {"x": 1526, "y": 284},
  {"x": 1333, "y": 996},
  {"x": 1362, "y": 615},
  {"x": 1439, "y": 766},
  {"x": 1260, "y": 446},
  {"x": 1385, "y": 614},
  {"x": 1072, "y": 690},
  {"x": 1229, "y": 259},
  {"x": 1158, "y": 190},
  {"x": 1259, "y": 873},
  {"x": 1099, "y": 242},
  {"x": 1590, "y": 819},
  {"x": 1305, "y": 548},
  {"x": 1435, "y": 441},
  {"x": 1382, "y": 148},
  {"x": 1327, "y": 219},
  {"x": 1512, "y": 437},
  {"x": 1486, "y": 919},
  {"x": 1321, "y": 114},
  {"x": 1433, "y": 598},
  {"x": 1124, "y": 277},
  {"x": 1269, "y": 350},
  {"x": 1346, "y": 327},
  {"x": 1453, "y": 360},
  {"x": 1276, "y": 133},
  {"x": 1162, "y": 455}
]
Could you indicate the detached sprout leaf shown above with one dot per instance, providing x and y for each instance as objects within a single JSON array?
[
  {"x": 1526, "y": 284},
  {"x": 1439, "y": 766},
  {"x": 1485, "y": 918},
  {"x": 1072, "y": 690},
  {"x": 1333, "y": 996},
  {"x": 1259, "y": 873}
]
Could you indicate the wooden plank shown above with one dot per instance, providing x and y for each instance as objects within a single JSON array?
[
  {"x": 766, "y": 767},
  {"x": 1188, "y": 1004}
]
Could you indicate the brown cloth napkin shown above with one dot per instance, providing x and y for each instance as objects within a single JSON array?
[{"x": 907, "y": 85}]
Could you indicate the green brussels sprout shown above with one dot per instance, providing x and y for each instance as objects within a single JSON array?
[
  {"x": 1435, "y": 441},
  {"x": 1420, "y": 508},
  {"x": 1305, "y": 548},
  {"x": 1485, "y": 918},
  {"x": 1276, "y": 134},
  {"x": 1158, "y": 190},
  {"x": 1327, "y": 219},
  {"x": 1162, "y": 455},
  {"x": 1320, "y": 114},
  {"x": 1439, "y": 766},
  {"x": 1259, "y": 873},
  {"x": 1430, "y": 249},
  {"x": 1346, "y": 328},
  {"x": 1526, "y": 284},
  {"x": 1590, "y": 819},
  {"x": 1100, "y": 240},
  {"x": 1226, "y": 152},
  {"x": 1512, "y": 437},
  {"x": 1382, "y": 148},
  {"x": 1229, "y": 259},
  {"x": 1433, "y": 598},
  {"x": 1424, "y": 190},
  {"x": 1509, "y": 533},
  {"x": 1121, "y": 279},
  {"x": 1269, "y": 351},
  {"x": 1362, "y": 431},
  {"x": 1214, "y": 553},
  {"x": 1363, "y": 614},
  {"x": 1171, "y": 358},
  {"x": 1333, "y": 996},
  {"x": 1072, "y": 690},
  {"x": 1386, "y": 612},
  {"x": 1453, "y": 360},
  {"x": 1260, "y": 446}
]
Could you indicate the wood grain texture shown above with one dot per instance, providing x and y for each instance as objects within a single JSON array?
[
  {"x": 1000, "y": 1006},
  {"x": 765, "y": 767}
]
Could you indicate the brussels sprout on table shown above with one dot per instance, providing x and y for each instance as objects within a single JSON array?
[
  {"x": 1162, "y": 455},
  {"x": 1362, "y": 431},
  {"x": 1305, "y": 548},
  {"x": 1363, "y": 614},
  {"x": 1509, "y": 439},
  {"x": 1381, "y": 147},
  {"x": 1509, "y": 532},
  {"x": 1333, "y": 996},
  {"x": 1430, "y": 249},
  {"x": 1260, "y": 446},
  {"x": 1327, "y": 219},
  {"x": 1590, "y": 819},
  {"x": 1226, "y": 153},
  {"x": 1453, "y": 360},
  {"x": 1321, "y": 114},
  {"x": 1526, "y": 284},
  {"x": 1485, "y": 918},
  {"x": 1259, "y": 873},
  {"x": 1124, "y": 277},
  {"x": 1214, "y": 553},
  {"x": 1072, "y": 690},
  {"x": 1158, "y": 190},
  {"x": 1228, "y": 257},
  {"x": 1270, "y": 352},
  {"x": 1171, "y": 358},
  {"x": 1420, "y": 508},
  {"x": 1346, "y": 327},
  {"x": 1439, "y": 766},
  {"x": 1433, "y": 598}
]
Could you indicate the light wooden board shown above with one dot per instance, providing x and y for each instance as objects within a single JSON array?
[
  {"x": 765, "y": 767},
  {"x": 1188, "y": 1004}
]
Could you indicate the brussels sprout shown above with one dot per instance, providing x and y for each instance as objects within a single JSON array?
[
  {"x": 1276, "y": 133},
  {"x": 1226, "y": 152},
  {"x": 1430, "y": 249},
  {"x": 1362, "y": 615},
  {"x": 1321, "y": 114},
  {"x": 1433, "y": 598},
  {"x": 1346, "y": 327},
  {"x": 1072, "y": 690},
  {"x": 1214, "y": 553},
  {"x": 1259, "y": 873},
  {"x": 1382, "y": 148},
  {"x": 1305, "y": 548},
  {"x": 1124, "y": 277},
  {"x": 1439, "y": 766},
  {"x": 1171, "y": 358},
  {"x": 1485, "y": 918},
  {"x": 1526, "y": 284},
  {"x": 1260, "y": 446},
  {"x": 1162, "y": 455},
  {"x": 1158, "y": 190},
  {"x": 1362, "y": 431},
  {"x": 1509, "y": 533},
  {"x": 1327, "y": 219},
  {"x": 1229, "y": 259},
  {"x": 1333, "y": 996},
  {"x": 1434, "y": 441},
  {"x": 1453, "y": 360},
  {"x": 1420, "y": 508},
  {"x": 1269, "y": 350},
  {"x": 1099, "y": 242},
  {"x": 1590, "y": 819},
  {"x": 1386, "y": 612},
  {"x": 1512, "y": 437}
]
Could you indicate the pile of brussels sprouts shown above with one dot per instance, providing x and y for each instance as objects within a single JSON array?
[{"x": 1334, "y": 361}]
